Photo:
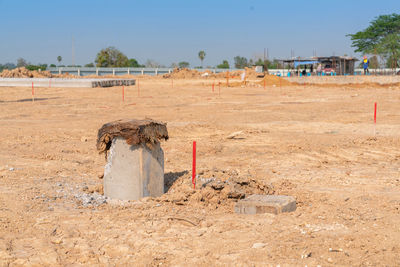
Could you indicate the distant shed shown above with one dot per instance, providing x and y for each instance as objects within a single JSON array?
[{"x": 342, "y": 65}]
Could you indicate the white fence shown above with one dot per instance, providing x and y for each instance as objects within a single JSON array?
[{"x": 82, "y": 71}]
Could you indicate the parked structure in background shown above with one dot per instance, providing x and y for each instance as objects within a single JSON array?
[{"x": 333, "y": 65}]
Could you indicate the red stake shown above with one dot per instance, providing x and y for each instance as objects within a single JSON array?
[
  {"x": 138, "y": 90},
  {"x": 264, "y": 83},
  {"x": 49, "y": 83},
  {"x": 33, "y": 93},
  {"x": 213, "y": 87},
  {"x": 375, "y": 114},
  {"x": 123, "y": 93},
  {"x": 219, "y": 89},
  {"x": 194, "y": 166}
]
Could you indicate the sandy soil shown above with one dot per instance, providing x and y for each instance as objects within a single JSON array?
[{"x": 314, "y": 143}]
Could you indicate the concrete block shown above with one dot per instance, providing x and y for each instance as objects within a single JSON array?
[
  {"x": 256, "y": 204},
  {"x": 133, "y": 171}
]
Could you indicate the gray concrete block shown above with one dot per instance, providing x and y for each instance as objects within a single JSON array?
[
  {"x": 256, "y": 204},
  {"x": 133, "y": 171}
]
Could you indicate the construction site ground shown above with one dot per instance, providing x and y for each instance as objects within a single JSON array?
[{"x": 315, "y": 143}]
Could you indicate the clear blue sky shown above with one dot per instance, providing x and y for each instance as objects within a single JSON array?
[{"x": 173, "y": 31}]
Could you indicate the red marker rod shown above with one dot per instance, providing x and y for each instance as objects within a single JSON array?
[
  {"x": 33, "y": 93},
  {"x": 375, "y": 106},
  {"x": 123, "y": 93},
  {"x": 194, "y": 166},
  {"x": 138, "y": 88}
]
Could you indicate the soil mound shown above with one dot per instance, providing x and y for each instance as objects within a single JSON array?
[
  {"x": 184, "y": 73},
  {"x": 195, "y": 74},
  {"x": 25, "y": 73},
  {"x": 215, "y": 187},
  {"x": 274, "y": 80}
]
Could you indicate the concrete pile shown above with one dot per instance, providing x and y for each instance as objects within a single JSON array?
[{"x": 135, "y": 160}]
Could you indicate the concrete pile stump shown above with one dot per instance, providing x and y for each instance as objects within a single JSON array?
[{"x": 135, "y": 160}]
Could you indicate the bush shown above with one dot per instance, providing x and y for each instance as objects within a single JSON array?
[
  {"x": 36, "y": 67},
  {"x": 224, "y": 65}
]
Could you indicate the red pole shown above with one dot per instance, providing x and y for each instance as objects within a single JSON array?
[
  {"x": 264, "y": 83},
  {"x": 213, "y": 87},
  {"x": 33, "y": 93},
  {"x": 219, "y": 89},
  {"x": 49, "y": 83},
  {"x": 194, "y": 166},
  {"x": 123, "y": 93},
  {"x": 375, "y": 113}
]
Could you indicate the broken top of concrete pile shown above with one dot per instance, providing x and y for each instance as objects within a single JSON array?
[
  {"x": 256, "y": 204},
  {"x": 134, "y": 131}
]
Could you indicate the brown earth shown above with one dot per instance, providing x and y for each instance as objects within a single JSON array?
[
  {"x": 24, "y": 73},
  {"x": 314, "y": 143}
]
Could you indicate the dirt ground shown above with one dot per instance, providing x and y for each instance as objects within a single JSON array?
[{"x": 314, "y": 143}]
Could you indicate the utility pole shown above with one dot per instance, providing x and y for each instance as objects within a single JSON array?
[
  {"x": 265, "y": 63},
  {"x": 73, "y": 52}
]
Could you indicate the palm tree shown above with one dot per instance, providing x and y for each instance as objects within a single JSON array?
[
  {"x": 202, "y": 55},
  {"x": 59, "y": 59}
]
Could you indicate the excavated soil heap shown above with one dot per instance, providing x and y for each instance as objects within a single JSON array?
[
  {"x": 184, "y": 73},
  {"x": 25, "y": 73},
  {"x": 194, "y": 74},
  {"x": 215, "y": 187}
]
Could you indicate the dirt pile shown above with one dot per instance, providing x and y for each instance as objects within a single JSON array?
[
  {"x": 25, "y": 73},
  {"x": 184, "y": 73},
  {"x": 213, "y": 187},
  {"x": 250, "y": 74},
  {"x": 274, "y": 80},
  {"x": 195, "y": 74}
]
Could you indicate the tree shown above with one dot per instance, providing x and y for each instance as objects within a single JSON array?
[
  {"x": 381, "y": 37},
  {"x": 223, "y": 65},
  {"x": 8, "y": 66},
  {"x": 390, "y": 48},
  {"x": 152, "y": 64},
  {"x": 111, "y": 57},
  {"x": 21, "y": 62},
  {"x": 373, "y": 62},
  {"x": 240, "y": 62},
  {"x": 53, "y": 65},
  {"x": 59, "y": 59},
  {"x": 202, "y": 55},
  {"x": 183, "y": 64},
  {"x": 133, "y": 63},
  {"x": 392, "y": 62},
  {"x": 89, "y": 65}
]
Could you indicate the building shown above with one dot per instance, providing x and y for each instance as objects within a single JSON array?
[{"x": 338, "y": 65}]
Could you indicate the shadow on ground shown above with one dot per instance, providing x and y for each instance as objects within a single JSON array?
[
  {"x": 171, "y": 177},
  {"x": 28, "y": 100}
]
